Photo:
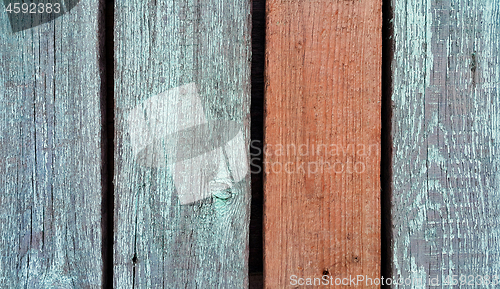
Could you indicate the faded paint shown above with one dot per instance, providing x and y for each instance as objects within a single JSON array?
[
  {"x": 161, "y": 45},
  {"x": 445, "y": 133},
  {"x": 50, "y": 182}
]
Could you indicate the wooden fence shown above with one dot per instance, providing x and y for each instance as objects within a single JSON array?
[{"x": 136, "y": 146}]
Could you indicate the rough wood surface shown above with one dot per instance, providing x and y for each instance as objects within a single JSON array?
[
  {"x": 445, "y": 131},
  {"x": 323, "y": 107},
  {"x": 181, "y": 67},
  {"x": 50, "y": 181}
]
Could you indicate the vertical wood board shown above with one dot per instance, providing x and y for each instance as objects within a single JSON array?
[
  {"x": 182, "y": 187},
  {"x": 322, "y": 138},
  {"x": 445, "y": 131},
  {"x": 50, "y": 168}
]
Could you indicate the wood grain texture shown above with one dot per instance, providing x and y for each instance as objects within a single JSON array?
[
  {"x": 322, "y": 185},
  {"x": 159, "y": 46},
  {"x": 446, "y": 139},
  {"x": 50, "y": 180}
]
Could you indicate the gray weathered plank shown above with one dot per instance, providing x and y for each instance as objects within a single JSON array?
[
  {"x": 169, "y": 232},
  {"x": 50, "y": 180},
  {"x": 446, "y": 138}
]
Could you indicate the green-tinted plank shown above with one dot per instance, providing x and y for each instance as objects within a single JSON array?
[
  {"x": 182, "y": 193},
  {"x": 50, "y": 180},
  {"x": 446, "y": 137}
]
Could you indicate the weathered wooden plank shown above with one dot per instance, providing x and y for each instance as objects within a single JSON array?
[
  {"x": 182, "y": 190},
  {"x": 445, "y": 141},
  {"x": 322, "y": 161},
  {"x": 50, "y": 184}
]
